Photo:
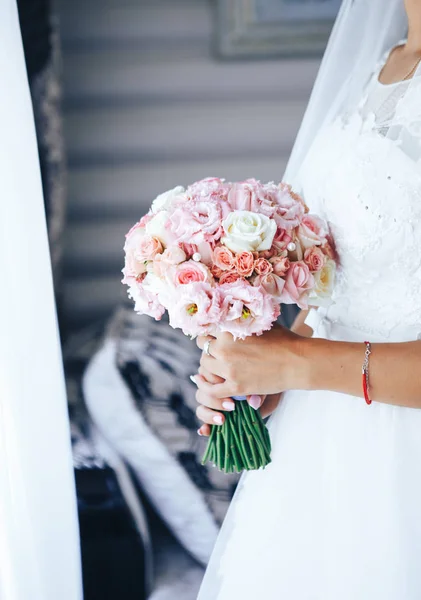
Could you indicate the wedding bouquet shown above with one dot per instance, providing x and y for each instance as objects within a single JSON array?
[{"x": 222, "y": 257}]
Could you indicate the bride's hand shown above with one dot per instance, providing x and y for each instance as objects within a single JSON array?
[
  {"x": 262, "y": 365},
  {"x": 208, "y": 408}
]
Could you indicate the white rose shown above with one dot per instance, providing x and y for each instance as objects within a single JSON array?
[
  {"x": 324, "y": 280},
  {"x": 156, "y": 227},
  {"x": 246, "y": 230},
  {"x": 164, "y": 201}
]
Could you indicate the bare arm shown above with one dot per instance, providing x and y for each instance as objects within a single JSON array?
[{"x": 395, "y": 373}]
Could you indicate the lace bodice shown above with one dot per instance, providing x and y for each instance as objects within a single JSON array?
[{"x": 368, "y": 188}]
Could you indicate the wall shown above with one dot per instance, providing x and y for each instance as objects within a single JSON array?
[{"x": 148, "y": 107}]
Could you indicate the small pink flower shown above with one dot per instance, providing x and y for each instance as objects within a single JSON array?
[
  {"x": 314, "y": 258},
  {"x": 191, "y": 272},
  {"x": 146, "y": 303},
  {"x": 216, "y": 272},
  {"x": 229, "y": 277},
  {"x": 196, "y": 309},
  {"x": 263, "y": 266},
  {"x": 189, "y": 249},
  {"x": 328, "y": 248},
  {"x": 251, "y": 195},
  {"x": 139, "y": 249},
  {"x": 244, "y": 263},
  {"x": 280, "y": 265},
  {"x": 311, "y": 232},
  {"x": 298, "y": 283},
  {"x": 173, "y": 255},
  {"x": 197, "y": 221},
  {"x": 223, "y": 258},
  {"x": 149, "y": 247},
  {"x": 246, "y": 310},
  {"x": 211, "y": 188},
  {"x": 290, "y": 207}
]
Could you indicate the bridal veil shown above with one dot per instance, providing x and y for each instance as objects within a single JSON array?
[{"x": 39, "y": 545}]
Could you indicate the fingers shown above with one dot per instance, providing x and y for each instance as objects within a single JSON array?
[
  {"x": 216, "y": 390},
  {"x": 209, "y": 416},
  {"x": 214, "y": 403},
  {"x": 255, "y": 401},
  {"x": 204, "y": 430},
  {"x": 202, "y": 339},
  {"x": 210, "y": 377}
]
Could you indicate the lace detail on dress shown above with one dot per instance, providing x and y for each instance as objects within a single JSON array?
[{"x": 363, "y": 175}]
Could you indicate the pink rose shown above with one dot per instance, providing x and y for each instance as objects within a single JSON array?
[
  {"x": 146, "y": 303},
  {"x": 263, "y": 266},
  {"x": 311, "y": 232},
  {"x": 272, "y": 285},
  {"x": 173, "y": 255},
  {"x": 149, "y": 247},
  {"x": 139, "y": 249},
  {"x": 191, "y": 272},
  {"x": 196, "y": 309},
  {"x": 314, "y": 258},
  {"x": 282, "y": 238},
  {"x": 223, "y": 258},
  {"x": 197, "y": 221},
  {"x": 250, "y": 195},
  {"x": 280, "y": 265},
  {"x": 298, "y": 283},
  {"x": 244, "y": 263},
  {"x": 246, "y": 310},
  {"x": 189, "y": 249},
  {"x": 229, "y": 277}
]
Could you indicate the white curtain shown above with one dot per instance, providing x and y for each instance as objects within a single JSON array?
[{"x": 39, "y": 545}]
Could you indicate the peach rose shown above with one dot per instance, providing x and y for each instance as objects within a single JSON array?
[
  {"x": 223, "y": 258},
  {"x": 244, "y": 263},
  {"x": 311, "y": 232},
  {"x": 314, "y": 258},
  {"x": 281, "y": 265},
  {"x": 271, "y": 283},
  {"x": 229, "y": 277},
  {"x": 191, "y": 272},
  {"x": 263, "y": 266},
  {"x": 216, "y": 272},
  {"x": 298, "y": 283}
]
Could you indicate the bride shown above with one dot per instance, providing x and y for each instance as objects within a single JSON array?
[
  {"x": 337, "y": 514},
  {"x": 39, "y": 543}
]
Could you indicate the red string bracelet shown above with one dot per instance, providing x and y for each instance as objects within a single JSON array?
[{"x": 366, "y": 386}]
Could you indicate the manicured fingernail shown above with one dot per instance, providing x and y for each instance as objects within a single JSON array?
[
  {"x": 228, "y": 405},
  {"x": 193, "y": 378},
  {"x": 218, "y": 419},
  {"x": 199, "y": 431},
  {"x": 255, "y": 401}
]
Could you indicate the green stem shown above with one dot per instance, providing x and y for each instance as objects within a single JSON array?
[
  {"x": 210, "y": 446},
  {"x": 256, "y": 431},
  {"x": 238, "y": 442},
  {"x": 247, "y": 443},
  {"x": 219, "y": 449}
]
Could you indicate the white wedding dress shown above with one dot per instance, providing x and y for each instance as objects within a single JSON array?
[{"x": 337, "y": 514}]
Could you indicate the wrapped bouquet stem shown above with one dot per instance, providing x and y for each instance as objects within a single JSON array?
[{"x": 223, "y": 257}]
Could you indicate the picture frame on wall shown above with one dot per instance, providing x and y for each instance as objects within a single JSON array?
[{"x": 273, "y": 28}]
